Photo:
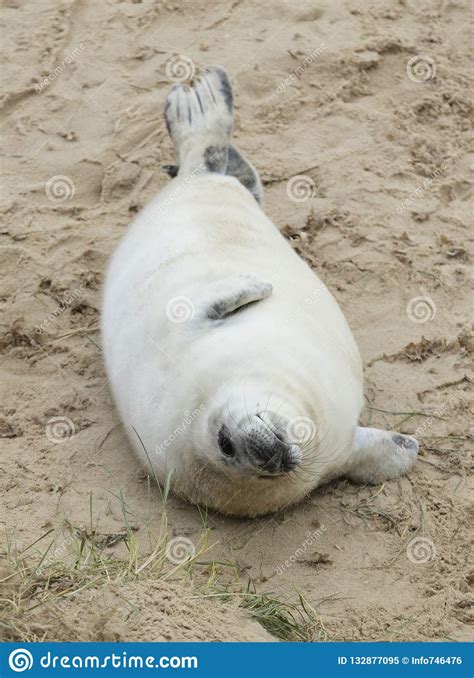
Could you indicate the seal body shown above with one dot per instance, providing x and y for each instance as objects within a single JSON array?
[
  {"x": 233, "y": 369},
  {"x": 294, "y": 346}
]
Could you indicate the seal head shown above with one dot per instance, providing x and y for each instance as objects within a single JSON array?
[{"x": 251, "y": 440}]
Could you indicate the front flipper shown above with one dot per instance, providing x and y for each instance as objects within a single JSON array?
[
  {"x": 380, "y": 455},
  {"x": 230, "y": 295}
]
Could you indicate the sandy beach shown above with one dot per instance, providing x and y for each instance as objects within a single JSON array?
[{"x": 357, "y": 116}]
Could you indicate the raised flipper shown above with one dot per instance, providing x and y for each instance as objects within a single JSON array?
[
  {"x": 380, "y": 455},
  {"x": 199, "y": 118}
]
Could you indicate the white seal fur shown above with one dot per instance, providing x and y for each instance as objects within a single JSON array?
[{"x": 231, "y": 364}]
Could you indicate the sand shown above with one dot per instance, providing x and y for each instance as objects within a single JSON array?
[{"x": 369, "y": 101}]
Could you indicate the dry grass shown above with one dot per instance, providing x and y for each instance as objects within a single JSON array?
[{"x": 41, "y": 575}]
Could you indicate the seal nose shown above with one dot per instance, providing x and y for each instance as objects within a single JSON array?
[
  {"x": 257, "y": 445},
  {"x": 267, "y": 451}
]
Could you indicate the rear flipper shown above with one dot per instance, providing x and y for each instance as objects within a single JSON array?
[
  {"x": 245, "y": 172},
  {"x": 199, "y": 119},
  {"x": 237, "y": 166},
  {"x": 380, "y": 455}
]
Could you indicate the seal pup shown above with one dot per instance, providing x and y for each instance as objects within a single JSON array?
[{"x": 233, "y": 368}]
